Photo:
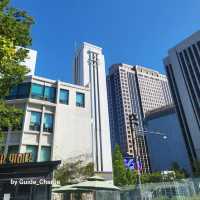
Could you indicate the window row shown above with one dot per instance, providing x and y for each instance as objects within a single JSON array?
[
  {"x": 45, "y": 152},
  {"x": 47, "y": 93}
]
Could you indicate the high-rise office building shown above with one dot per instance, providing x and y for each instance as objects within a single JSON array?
[
  {"x": 163, "y": 152},
  {"x": 183, "y": 71},
  {"x": 89, "y": 69},
  {"x": 134, "y": 89}
]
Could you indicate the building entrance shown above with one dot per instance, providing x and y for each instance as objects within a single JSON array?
[{"x": 28, "y": 181}]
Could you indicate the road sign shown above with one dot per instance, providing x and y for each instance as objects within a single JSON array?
[{"x": 130, "y": 163}]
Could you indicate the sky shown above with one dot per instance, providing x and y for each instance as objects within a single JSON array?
[{"x": 129, "y": 31}]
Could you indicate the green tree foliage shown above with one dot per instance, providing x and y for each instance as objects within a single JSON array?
[
  {"x": 119, "y": 170},
  {"x": 131, "y": 177},
  {"x": 154, "y": 177},
  {"x": 123, "y": 176},
  {"x": 73, "y": 172},
  {"x": 15, "y": 28},
  {"x": 180, "y": 173}
]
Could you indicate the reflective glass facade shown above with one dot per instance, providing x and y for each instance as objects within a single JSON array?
[
  {"x": 48, "y": 122},
  {"x": 46, "y": 93},
  {"x": 43, "y": 92},
  {"x": 33, "y": 150},
  {"x": 45, "y": 153},
  {"x": 35, "y": 121},
  {"x": 13, "y": 149},
  {"x": 37, "y": 91},
  {"x": 64, "y": 96},
  {"x": 49, "y": 94},
  {"x": 80, "y": 99},
  {"x": 20, "y": 91},
  {"x": 163, "y": 152}
]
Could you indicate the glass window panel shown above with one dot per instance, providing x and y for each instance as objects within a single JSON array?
[
  {"x": 35, "y": 121},
  {"x": 13, "y": 93},
  {"x": 37, "y": 91},
  {"x": 20, "y": 91},
  {"x": 80, "y": 99},
  {"x": 49, "y": 94},
  {"x": 45, "y": 153},
  {"x": 23, "y": 90},
  {"x": 13, "y": 149},
  {"x": 48, "y": 123},
  {"x": 64, "y": 96},
  {"x": 33, "y": 150},
  {"x": 2, "y": 148}
]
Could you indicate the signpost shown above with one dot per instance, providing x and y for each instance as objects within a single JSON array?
[{"x": 132, "y": 164}]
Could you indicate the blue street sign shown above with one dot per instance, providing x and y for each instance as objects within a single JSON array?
[{"x": 130, "y": 163}]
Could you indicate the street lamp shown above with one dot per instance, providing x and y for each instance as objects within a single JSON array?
[{"x": 133, "y": 119}]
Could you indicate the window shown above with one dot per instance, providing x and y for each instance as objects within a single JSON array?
[
  {"x": 64, "y": 96},
  {"x": 13, "y": 93},
  {"x": 20, "y": 91},
  {"x": 45, "y": 153},
  {"x": 32, "y": 149},
  {"x": 80, "y": 99},
  {"x": 37, "y": 91},
  {"x": 23, "y": 90},
  {"x": 2, "y": 148},
  {"x": 49, "y": 94},
  {"x": 43, "y": 92},
  {"x": 13, "y": 149},
  {"x": 48, "y": 123},
  {"x": 35, "y": 121}
]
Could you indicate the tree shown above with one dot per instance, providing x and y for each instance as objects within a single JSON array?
[
  {"x": 74, "y": 171},
  {"x": 131, "y": 177},
  {"x": 119, "y": 170},
  {"x": 15, "y": 28},
  {"x": 180, "y": 173},
  {"x": 154, "y": 177}
]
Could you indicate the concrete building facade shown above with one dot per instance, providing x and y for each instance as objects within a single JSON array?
[
  {"x": 56, "y": 124},
  {"x": 134, "y": 89},
  {"x": 89, "y": 69},
  {"x": 183, "y": 71}
]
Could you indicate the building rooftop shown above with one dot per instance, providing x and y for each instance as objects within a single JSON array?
[
  {"x": 51, "y": 81},
  {"x": 161, "y": 111}
]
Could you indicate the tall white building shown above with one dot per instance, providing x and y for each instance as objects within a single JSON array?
[
  {"x": 56, "y": 124},
  {"x": 89, "y": 69},
  {"x": 30, "y": 61},
  {"x": 183, "y": 71},
  {"x": 134, "y": 89}
]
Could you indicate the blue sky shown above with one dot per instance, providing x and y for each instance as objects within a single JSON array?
[{"x": 130, "y": 31}]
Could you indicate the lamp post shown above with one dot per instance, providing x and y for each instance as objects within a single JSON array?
[{"x": 133, "y": 119}]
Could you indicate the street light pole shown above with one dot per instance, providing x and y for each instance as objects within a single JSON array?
[{"x": 133, "y": 118}]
